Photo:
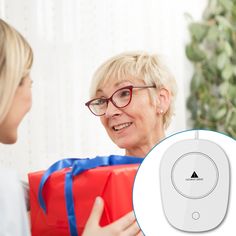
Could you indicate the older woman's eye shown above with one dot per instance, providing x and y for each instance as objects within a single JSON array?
[
  {"x": 99, "y": 102},
  {"x": 124, "y": 93}
]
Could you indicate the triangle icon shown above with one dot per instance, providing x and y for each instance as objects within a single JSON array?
[{"x": 194, "y": 175}]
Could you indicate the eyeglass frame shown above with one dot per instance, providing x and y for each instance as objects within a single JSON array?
[{"x": 130, "y": 87}]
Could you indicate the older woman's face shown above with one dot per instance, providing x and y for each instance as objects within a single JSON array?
[
  {"x": 135, "y": 126},
  {"x": 20, "y": 106}
]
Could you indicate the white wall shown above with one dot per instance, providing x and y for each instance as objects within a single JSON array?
[{"x": 70, "y": 39}]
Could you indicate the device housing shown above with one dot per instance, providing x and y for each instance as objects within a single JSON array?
[{"x": 195, "y": 185}]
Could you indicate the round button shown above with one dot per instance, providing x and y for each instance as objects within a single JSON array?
[
  {"x": 194, "y": 175},
  {"x": 196, "y": 215}
]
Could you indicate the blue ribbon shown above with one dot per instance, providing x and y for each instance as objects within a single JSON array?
[{"x": 78, "y": 165}]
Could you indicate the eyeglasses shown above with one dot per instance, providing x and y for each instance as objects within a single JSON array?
[{"x": 120, "y": 99}]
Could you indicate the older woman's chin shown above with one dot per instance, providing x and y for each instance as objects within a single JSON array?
[
  {"x": 9, "y": 138},
  {"x": 123, "y": 145}
]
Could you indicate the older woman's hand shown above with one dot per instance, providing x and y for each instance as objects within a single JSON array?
[{"x": 125, "y": 226}]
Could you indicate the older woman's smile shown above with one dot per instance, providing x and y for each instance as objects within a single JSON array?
[{"x": 121, "y": 126}]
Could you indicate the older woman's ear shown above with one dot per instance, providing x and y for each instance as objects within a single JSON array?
[{"x": 163, "y": 101}]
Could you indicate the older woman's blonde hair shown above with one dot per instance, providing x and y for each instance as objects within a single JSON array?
[
  {"x": 140, "y": 65},
  {"x": 16, "y": 59}
]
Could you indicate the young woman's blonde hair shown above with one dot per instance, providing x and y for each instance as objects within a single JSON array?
[
  {"x": 16, "y": 59},
  {"x": 140, "y": 65}
]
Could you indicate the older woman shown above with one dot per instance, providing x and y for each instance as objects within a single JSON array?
[
  {"x": 15, "y": 101},
  {"x": 134, "y": 94}
]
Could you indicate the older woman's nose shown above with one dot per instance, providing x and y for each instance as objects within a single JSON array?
[{"x": 112, "y": 110}]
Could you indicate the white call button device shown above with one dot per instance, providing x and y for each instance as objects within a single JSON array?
[{"x": 195, "y": 182}]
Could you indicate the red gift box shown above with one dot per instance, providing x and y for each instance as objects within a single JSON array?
[{"x": 113, "y": 183}]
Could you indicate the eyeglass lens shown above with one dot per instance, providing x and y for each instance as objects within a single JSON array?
[{"x": 119, "y": 99}]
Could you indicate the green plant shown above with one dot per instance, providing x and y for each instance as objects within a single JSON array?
[{"x": 212, "y": 51}]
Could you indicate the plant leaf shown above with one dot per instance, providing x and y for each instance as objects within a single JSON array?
[
  {"x": 220, "y": 113},
  {"x": 222, "y": 60},
  {"x": 213, "y": 33},
  {"x": 198, "y": 31},
  {"x": 223, "y": 22},
  {"x": 227, "y": 72},
  {"x": 227, "y": 4},
  {"x": 228, "y": 49},
  {"x": 194, "y": 53}
]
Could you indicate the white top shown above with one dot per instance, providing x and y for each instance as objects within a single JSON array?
[{"x": 13, "y": 214}]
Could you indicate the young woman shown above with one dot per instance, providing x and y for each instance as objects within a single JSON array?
[{"x": 16, "y": 59}]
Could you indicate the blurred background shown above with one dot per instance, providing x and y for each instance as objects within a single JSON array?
[{"x": 70, "y": 39}]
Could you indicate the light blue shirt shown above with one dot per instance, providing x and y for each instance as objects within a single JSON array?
[{"x": 13, "y": 213}]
